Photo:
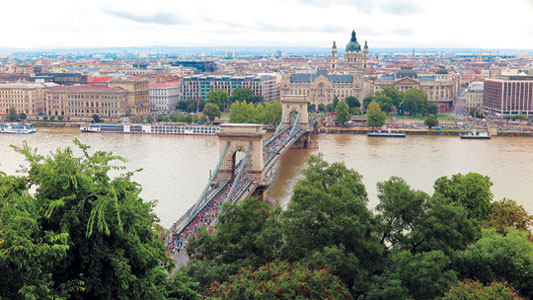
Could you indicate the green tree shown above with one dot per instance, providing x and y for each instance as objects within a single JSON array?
[
  {"x": 416, "y": 101},
  {"x": 219, "y": 98},
  {"x": 495, "y": 257},
  {"x": 330, "y": 107},
  {"x": 13, "y": 115},
  {"x": 311, "y": 107},
  {"x": 244, "y": 94},
  {"x": 375, "y": 117},
  {"x": 335, "y": 102},
  {"x": 113, "y": 249},
  {"x": 471, "y": 191},
  {"x": 420, "y": 276},
  {"x": 384, "y": 102},
  {"x": 507, "y": 213},
  {"x": 23, "y": 116},
  {"x": 247, "y": 234},
  {"x": 321, "y": 107},
  {"x": 431, "y": 121},
  {"x": 28, "y": 255},
  {"x": 203, "y": 119},
  {"x": 59, "y": 118},
  {"x": 149, "y": 119},
  {"x": 212, "y": 111},
  {"x": 393, "y": 94},
  {"x": 327, "y": 224},
  {"x": 342, "y": 113},
  {"x": 468, "y": 289},
  {"x": 279, "y": 281},
  {"x": 352, "y": 102},
  {"x": 433, "y": 109}
]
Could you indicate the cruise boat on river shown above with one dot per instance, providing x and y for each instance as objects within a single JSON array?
[
  {"x": 21, "y": 128},
  {"x": 476, "y": 135},
  {"x": 152, "y": 128},
  {"x": 388, "y": 133}
]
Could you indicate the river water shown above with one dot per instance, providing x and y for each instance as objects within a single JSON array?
[{"x": 176, "y": 168}]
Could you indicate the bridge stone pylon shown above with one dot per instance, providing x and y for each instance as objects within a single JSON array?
[
  {"x": 292, "y": 105},
  {"x": 239, "y": 136}
]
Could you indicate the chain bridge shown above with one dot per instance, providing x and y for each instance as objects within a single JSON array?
[{"x": 232, "y": 179}]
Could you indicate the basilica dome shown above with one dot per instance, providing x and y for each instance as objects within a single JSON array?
[{"x": 353, "y": 45}]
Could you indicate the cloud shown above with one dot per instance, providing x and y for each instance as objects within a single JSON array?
[
  {"x": 392, "y": 7},
  {"x": 158, "y": 18},
  {"x": 277, "y": 28},
  {"x": 403, "y": 31}
]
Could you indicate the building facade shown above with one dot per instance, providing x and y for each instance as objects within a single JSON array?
[
  {"x": 28, "y": 98},
  {"x": 81, "y": 103},
  {"x": 440, "y": 87},
  {"x": 509, "y": 95},
  {"x": 138, "y": 95},
  {"x": 354, "y": 59},
  {"x": 163, "y": 96},
  {"x": 321, "y": 87},
  {"x": 474, "y": 96},
  {"x": 197, "y": 86}
]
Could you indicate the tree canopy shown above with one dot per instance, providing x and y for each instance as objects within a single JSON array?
[
  {"x": 244, "y": 112},
  {"x": 342, "y": 113},
  {"x": 375, "y": 117}
]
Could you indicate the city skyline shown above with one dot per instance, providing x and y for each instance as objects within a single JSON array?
[{"x": 296, "y": 23}]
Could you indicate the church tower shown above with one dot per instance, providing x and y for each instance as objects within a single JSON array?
[
  {"x": 353, "y": 58},
  {"x": 334, "y": 58},
  {"x": 365, "y": 56}
]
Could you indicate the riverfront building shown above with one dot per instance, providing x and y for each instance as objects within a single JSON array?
[
  {"x": 509, "y": 95},
  {"x": 82, "y": 102},
  {"x": 163, "y": 96},
  {"x": 321, "y": 87},
  {"x": 28, "y": 98},
  {"x": 197, "y": 86},
  {"x": 474, "y": 96},
  {"x": 138, "y": 99},
  {"x": 440, "y": 87}
]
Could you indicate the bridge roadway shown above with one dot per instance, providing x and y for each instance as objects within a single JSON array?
[{"x": 206, "y": 211}]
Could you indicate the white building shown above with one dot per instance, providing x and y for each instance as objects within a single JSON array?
[{"x": 163, "y": 96}]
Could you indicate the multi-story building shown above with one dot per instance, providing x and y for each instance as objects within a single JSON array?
[
  {"x": 440, "y": 87},
  {"x": 164, "y": 96},
  {"x": 138, "y": 99},
  {"x": 197, "y": 86},
  {"x": 62, "y": 78},
  {"x": 321, "y": 87},
  {"x": 82, "y": 102},
  {"x": 28, "y": 98},
  {"x": 474, "y": 96},
  {"x": 508, "y": 95}
]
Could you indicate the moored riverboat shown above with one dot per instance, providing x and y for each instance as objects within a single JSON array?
[
  {"x": 388, "y": 133},
  {"x": 182, "y": 129},
  {"x": 17, "y": 128},
  {"x": 476, "y": 135}
]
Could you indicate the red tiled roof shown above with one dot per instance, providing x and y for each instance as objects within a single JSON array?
[
  {"x": 98, "y": 79},
  {"x": 164, "y": 84}
]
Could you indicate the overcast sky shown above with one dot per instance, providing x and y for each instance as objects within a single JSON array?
[{"x": 383, "y": 23}]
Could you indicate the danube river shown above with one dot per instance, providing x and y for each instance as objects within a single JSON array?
[{"x": 176, "y": 168}]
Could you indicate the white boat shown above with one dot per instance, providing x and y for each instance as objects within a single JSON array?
[
  {"x": 19, "y": 128},
  {"x": 182, "y": 129},
  {"x": 476, "y": 135},
  {"x": 388, "y": 133}
]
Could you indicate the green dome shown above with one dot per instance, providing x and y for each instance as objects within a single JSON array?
[{"x": 353, "y": 45}]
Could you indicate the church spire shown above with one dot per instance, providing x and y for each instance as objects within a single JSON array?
[
  {"x": 353, "y": 39},
  {"x": 334, "y": 45}
]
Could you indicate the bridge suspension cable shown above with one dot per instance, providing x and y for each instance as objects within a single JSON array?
[
  {"x": 193, "y": 211},
  {"x": 278, "y": 129},
  {"x": 296, "y": 123}
]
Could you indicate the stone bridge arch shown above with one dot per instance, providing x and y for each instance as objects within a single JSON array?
[
  {"x": 290, "y": 104},
  {"x": 239, "y": 137}
]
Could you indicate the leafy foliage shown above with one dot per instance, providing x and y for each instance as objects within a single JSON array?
[
  {"x": 342, "y": 112},
  {"x": 212, "y": 111},
  {"x": 243, "y": 112},
  {"x": 279, "y": 281},
  {"x": 468, "y": 289},
  {"x": 431, "y": 121},
  {"x": 375, "y": 117}
]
